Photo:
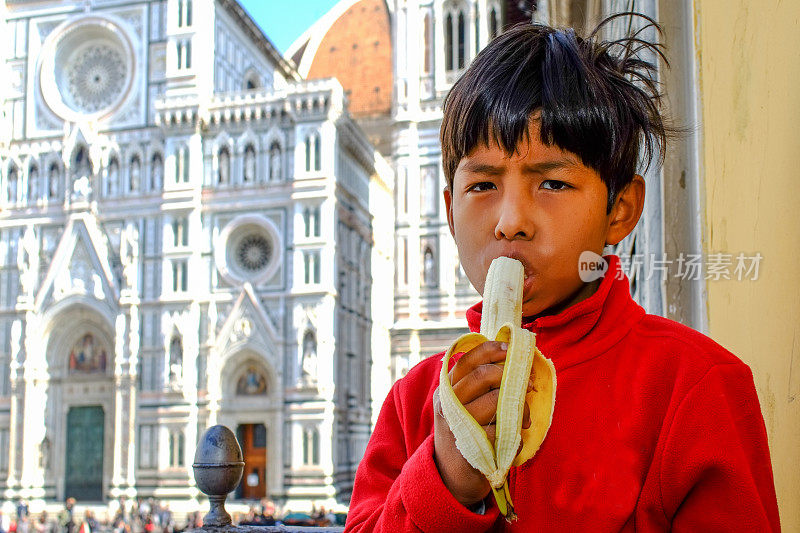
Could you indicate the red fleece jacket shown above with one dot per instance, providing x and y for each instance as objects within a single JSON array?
[{"x": 656, "y": 427}]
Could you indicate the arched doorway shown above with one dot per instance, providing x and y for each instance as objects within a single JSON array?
[
  {"x": 252, "y": 385},
  {"x": 252, "y": 407},
  {"x": 80, "y": 402}
]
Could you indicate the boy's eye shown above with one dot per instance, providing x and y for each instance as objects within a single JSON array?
[
  {"x": 554, "y": 185},
  {"x": 481, "y": 186}
]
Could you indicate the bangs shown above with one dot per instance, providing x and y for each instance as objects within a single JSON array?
[{"x": 601, "y": 106}]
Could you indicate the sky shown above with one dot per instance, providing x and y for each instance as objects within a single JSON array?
[{"x": 283, "y": 21}]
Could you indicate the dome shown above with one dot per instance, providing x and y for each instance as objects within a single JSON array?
[{"x": 353, "y": 43}]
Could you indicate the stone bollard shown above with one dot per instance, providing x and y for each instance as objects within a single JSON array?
[{"x": 218, "y": 467}]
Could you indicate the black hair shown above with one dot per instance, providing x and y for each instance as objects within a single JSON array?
[{"x": 597, "y": 99}]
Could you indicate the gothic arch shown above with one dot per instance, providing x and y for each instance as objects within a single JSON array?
[
  {"x": 236, "y": 363},
  {"x": 65, "y": 325}
]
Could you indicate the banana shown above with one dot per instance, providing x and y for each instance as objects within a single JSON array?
[{"x": 501, "y": 320}]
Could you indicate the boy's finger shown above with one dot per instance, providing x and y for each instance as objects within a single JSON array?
[
  {"x": 526, "y": 416},
  {"x": 487, "y": 353},
  {"x": 480, "y": 381},
  {"x": 484, "y": 408}
]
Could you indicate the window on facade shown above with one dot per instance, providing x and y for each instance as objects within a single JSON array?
[
  {"x": 249, "y": 175},
  {"x": 184, "y": 51},
  {"x": 5, "y": 377},
  {"x": 429, "y": 276},
  {"x": 275, "y": 162},
  {"x": 311, "y": 267},
  {"x": 313, "y": 152},
  {"x": 311, "y": 221},
  {"x": 184, "y": 13},
  {"x": 429, "y": 198},
  {"x": 148, "y": 446},
  {"x": 310, "y": 446},
  {"x": 427, "y": 32},
  {"x": 448, "y": 42},
  {"x": 179, "y": 275},
  {"x": 461, "y": 40},
  {"x": 180, "y": 232},
  {"x": 182, "y": 165},
  {"x": 493, "y": 25},
  {"x": 404, "y": 260},
  {"x": 4, "y": 447},
  {"x": 135, "y": 174},
  {"x": 177, "y": 445},
  {"x": 476, "y": 39},
  {"x": 224, "y": 166}
]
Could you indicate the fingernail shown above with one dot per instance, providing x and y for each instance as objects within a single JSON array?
[
  {"x": 504, "y": 346},
  {"x": 530, "y": 384}
]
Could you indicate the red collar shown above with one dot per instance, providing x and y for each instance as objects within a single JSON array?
[{"x": 586, "y": 329}]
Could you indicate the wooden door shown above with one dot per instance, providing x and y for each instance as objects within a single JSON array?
[{"x": 253, "y": 440}]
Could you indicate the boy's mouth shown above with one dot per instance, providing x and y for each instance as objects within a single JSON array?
[{"x": 528, "y": 270}]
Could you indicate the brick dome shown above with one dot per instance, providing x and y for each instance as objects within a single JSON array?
[{"x": 352, "y": 43}]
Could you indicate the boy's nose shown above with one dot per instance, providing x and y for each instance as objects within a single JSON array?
[{"x": 514, "y": 221}]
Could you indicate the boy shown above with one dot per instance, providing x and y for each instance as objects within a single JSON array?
[{"x": 655, "y": 426}]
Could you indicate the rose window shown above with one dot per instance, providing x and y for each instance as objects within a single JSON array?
[
  {"x": 248, "y": 250},
  {"x": 96, "y": 77},
  {"x": 88, "y": 67},
  {"x": 254, "y": 252}
]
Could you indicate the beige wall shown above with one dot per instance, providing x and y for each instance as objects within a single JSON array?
[{"x": 748, "y": 56}]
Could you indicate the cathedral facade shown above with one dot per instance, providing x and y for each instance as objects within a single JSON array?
[
  {"x": 188, "y": 238},
  {"x": 198, "y": 230}
]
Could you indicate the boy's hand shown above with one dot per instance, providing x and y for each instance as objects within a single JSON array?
[{"x": 476, "y": 382}]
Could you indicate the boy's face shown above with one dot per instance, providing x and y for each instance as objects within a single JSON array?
[{"x": 541, "y": 206}]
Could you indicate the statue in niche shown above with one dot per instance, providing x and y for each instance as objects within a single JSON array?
[
  {"x": 309, "y": 364},
  {"x": 251, "y": 383},
  {"x": 81, "y": 164},
  {"x": 129, "y": 254},
  {"x": 224, "y": 166},
  {"x": 44, "y": 454},
  {"x": 86, "y": 357},
  {"x": 249, "y": 164},
  {"x": 135, "y": 174},
  {"x": 275, "y": 162},
  {"x": 33, "y": 184},
  {"x": 113, "y": 178},
  {"x": 429, "y": 269},
  {"x": 175, "y": 362},
  {"x": 52, "y": 181},
  {"x": 12, "y": 185},
  {"x": 157, "y": 172},
  {"x": 28, "y": 261}
]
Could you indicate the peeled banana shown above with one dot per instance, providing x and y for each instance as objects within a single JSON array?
[{"x": 501, "y": 320}]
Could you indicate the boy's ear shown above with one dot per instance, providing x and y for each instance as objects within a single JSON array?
[
  {"x": 448, "y": 204},
  {"x": 626, "y": 211}
]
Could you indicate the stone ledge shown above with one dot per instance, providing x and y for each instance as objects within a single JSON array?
[{"x": 265, "y": 529}]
